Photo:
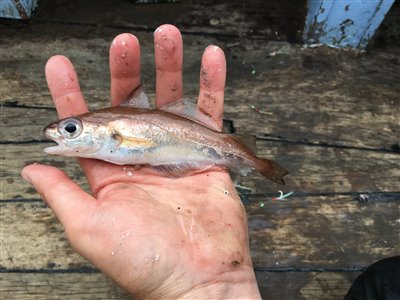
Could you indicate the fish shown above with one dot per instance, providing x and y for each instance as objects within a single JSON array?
[{"x": 177, "y": 139}]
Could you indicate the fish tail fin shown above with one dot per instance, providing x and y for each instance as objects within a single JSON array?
[{"x": 271, "y": 170}]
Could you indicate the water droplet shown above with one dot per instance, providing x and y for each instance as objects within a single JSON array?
[
  {"x": 214, "y": 21},
  {"x": 130, "y": 173},
  {"x": 124, "y": 43},
  {"x": 112, "y": 253}
]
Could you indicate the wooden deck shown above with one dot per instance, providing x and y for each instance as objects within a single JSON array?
[{"x": 332, "y": 118}]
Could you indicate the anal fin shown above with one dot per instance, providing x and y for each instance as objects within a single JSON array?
[{"x": 181, "y": 169}]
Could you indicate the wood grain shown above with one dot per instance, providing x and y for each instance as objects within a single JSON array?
[
  {"x": 328, "y": 232},
  {"x": 330, "y": 117},
  {"x": 292, "y": 285},
  {"x": 305, "y": 285},
  {"x": 59, "y": 286}
]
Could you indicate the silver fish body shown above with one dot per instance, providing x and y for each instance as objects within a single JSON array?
[{"x": 169, "y": 142}]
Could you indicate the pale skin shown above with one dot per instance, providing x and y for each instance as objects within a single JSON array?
[{"x": 157, "y": 237}]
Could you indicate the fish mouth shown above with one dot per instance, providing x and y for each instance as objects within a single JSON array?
[
  {"x": 51, "y": 133},
  {"x": 57, "y": 149}
]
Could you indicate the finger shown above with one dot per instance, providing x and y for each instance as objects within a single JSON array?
[
  {"x": 67, "y": 96},
  {"x": 168, "y": 57},
  {"x": 212, "y": 83},
  {"x": 68, "y": 201},
  {"x": 64, "y": 87},
  {"x": 124, "y": 66}
]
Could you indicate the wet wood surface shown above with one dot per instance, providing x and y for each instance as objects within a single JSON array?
[
  {"x": 330, "y": 117},
  {"x": 282, "y": 285}
]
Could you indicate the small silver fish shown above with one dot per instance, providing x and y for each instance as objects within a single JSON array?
[{"x": 177, "y": 139}]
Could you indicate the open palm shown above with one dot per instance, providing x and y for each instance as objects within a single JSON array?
[{"x": 157, "y": 237}]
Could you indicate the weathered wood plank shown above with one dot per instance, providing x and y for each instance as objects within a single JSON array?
[
  {"x": 311, "y": 96},
  {"x": 233, "y": 18},
  {"x": 312, "y": 169},
  {"x": 32, "y": 238},
  {"x": 15, "y": 157},
  {"x": 304, "y": 95},
  {"x": 326, "y": 232},
  {"x": 329, "y": 112},
  {"x": 305, "y": 285},
  {"x": 284, "y": 285},
  {"x": 59, "y": 286},
  {"x": 329, "y": 169},
  {"x": 303, "y": 233}
]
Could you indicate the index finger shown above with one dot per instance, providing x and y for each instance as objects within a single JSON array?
[
  {"x": 64, "y": 87},
  {"x": 67, "y": 97}
]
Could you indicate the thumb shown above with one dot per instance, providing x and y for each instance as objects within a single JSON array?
[{"x": 68, "y": 201}]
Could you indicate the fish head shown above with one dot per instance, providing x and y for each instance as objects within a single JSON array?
[{"x": 74, "y": 137}]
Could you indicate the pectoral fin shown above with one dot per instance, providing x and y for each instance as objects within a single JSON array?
[{"x": 132, "y": 142}]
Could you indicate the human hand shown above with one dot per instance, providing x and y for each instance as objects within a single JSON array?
[{"x": 157, "y": 237}]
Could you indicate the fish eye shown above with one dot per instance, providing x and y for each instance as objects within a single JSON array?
[{"x": 70, "y": 128}]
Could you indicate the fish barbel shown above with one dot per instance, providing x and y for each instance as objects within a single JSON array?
[{"x": 176, "y": 139}]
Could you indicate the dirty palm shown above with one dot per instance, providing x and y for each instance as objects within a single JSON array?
[{"x": 176, "y": 139}]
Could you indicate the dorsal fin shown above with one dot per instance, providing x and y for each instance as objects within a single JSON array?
[
  {"x": 137, "y": 98},
  {"x": 189, "y": 110}
]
